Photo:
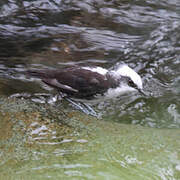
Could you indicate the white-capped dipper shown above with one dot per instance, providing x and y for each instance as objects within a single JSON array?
[{"x": 87, "y": 82}]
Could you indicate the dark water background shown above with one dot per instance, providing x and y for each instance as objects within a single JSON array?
[{"x": 54, "y": 33}]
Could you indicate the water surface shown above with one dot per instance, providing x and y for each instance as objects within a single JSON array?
[{"x": 143, "y": 34}]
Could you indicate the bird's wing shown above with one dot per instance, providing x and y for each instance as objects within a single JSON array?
[
  {"x": 55, "y": 83},
  {"x": 77, "y": 80},
  {"x": 74, "y": 80},
  {"x": 82, "y": 79}
]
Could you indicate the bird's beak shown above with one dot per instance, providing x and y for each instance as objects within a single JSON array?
[{"x": 142, "y": 92}]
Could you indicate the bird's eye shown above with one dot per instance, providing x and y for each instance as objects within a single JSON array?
[{"x": 131, "y": 83}]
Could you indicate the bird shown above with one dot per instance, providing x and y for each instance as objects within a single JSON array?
[{"x": 88, "y": 82}]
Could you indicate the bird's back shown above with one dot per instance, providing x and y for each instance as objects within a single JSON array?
[{"x": 76, "y": 81}]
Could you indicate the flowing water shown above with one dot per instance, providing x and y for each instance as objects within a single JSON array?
[{"x": 143, "y": 34}]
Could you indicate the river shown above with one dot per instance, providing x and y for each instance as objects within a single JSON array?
[{"x": 58, "y": 33}]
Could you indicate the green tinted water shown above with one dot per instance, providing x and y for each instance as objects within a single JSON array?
[{"x": 39, "y": 145}]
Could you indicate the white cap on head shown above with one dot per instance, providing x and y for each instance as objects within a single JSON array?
[{"x": 124, "y": 70}]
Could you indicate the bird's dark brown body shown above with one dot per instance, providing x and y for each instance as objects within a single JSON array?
[{"x": 76, "y": 81}]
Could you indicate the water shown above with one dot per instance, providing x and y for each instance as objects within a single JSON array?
[
  {"x": 145, "y": 35},
  {"x": 55, "y": 33}
]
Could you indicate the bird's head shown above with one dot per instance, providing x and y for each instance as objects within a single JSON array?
[{"x": 132, "y": 78}]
